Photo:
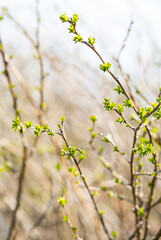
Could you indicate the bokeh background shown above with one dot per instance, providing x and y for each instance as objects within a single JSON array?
[{"x": 75, "y": 88}]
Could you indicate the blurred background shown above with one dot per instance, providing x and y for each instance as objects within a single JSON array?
[{"x": 75, "y": 88}]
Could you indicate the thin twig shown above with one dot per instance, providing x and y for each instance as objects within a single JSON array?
[
  {"x": 25, "y": 147},
  {"x": 153, "y": 182},
  {"x": 41, "y": 218},
  {"x": 125, "y": 39},
  {"x": 86, "y": 185}
]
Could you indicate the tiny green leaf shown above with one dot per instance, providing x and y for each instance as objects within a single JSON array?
[
  {"x": 64, "y": 18},
  {"x": 62, "y": 201},
  {"x": 91, "y": 40},
  {"x": 105, "y": 66},
  {"x": 78, "y": 38}
]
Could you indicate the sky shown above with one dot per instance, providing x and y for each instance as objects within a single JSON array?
[{"x": 105, "y": 20}]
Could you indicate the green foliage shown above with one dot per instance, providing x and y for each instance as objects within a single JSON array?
[
  {"x": 102, "y": 212},
  {"x": 91, "y": 40},
  {"x": 141, "y": 212},
  {"x": 75, "y": 18},
  {"x": 104, "y": 188},
  {"x": 74, "y": 171},
  {"x": 93, "y": 118},
  {"x": 111, "y": 194},
  {"x": 115, "y": 149},
  {"x": 107, "y": 138},
  {"x": 71, "y": 29},
  {"x": 120, "y": 108},
  {"x": 4, "y": 72},
  {"x": 11, "y": 85},
  {"x": 73, "y": 151},
  {"x": 28, "y": 124},
  {"x": 38, "y": 130},
  {"x": 128, "y": 103},
  {"x": 94, "y": 135},
  {"x": 95, "y": 193},
  {"x": 2, "y": 169},
  {"x": 119, "y": 89},
  {"x": 152, "y": 160},
  {"x": 1, "y": 46},
  {"x": 1, "y": 18},
  {"x": 120, "y": 120},
  {"x": 114, "y": 233},
  {"x": 46, "y": 128},
  {"x": 58, "y": 166},
  {"x": 66, "y": 219},
  {"x": 108, "y": 105},
  {"x": 82, "y": 156},
  {"x": 117, "y": 180},
  {"x": 62, "y": 201},
  {"x": 16, "y": 124},
  {"x": 63, "y": 119},
  {"x": 157, "y": 114},
  {"x": 64, "y": 18},
  {"x": 105, "y": 66},
  {"x": 150, "y": 184},
  {"x": 101, "y": 150},
  {"x": 145, "y": 147},
  {"x": 78, "y": 38},
  {"x": 51, "y": 133},
  {"x": 143, "y": 113}
]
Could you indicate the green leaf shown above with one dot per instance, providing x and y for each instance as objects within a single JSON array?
[
  {"x": 4, "y": 72},
  {"x": 94, "y": 135},
  {"x": 115, "y": 149},
  {"x": 111, "y": 194},
  {"x": 2, "y": 169},
  {"x": 64, "y": 18},
  {"x": 114, "y": 233},
  {"x": 157, "y": 114},
  {"x": 51, "y": 133},
  {"x": 120, "y": 120},
  {"x": 119, "y": 89},
  {"x": 37, "y": 130},
  {"x": 105, "y": 66},
  {"x": 128, "y": 103},
  {"x": 104, "y": 188},
  {"x": 58, "y": 166},
  {"x": 63, "y": 119},
  {"x": 93, "y": 118},
  {"x": 117, "y": 180},
  {"x": 120, "y": 108},
  {"x": 71, "y": 29},
  {"x": 91, "y": 40},
  {"x": 66, "y": 219},
  {"x": 95, "y": 193},
  {"x": 11, "y": 85},
  {"x": 62, "y": 201},
  {"x": 82, "y": 156},
  {"x": 75, "y": 18},
  {"x": 74, "y": 229},
  {"x": 46, "y": 128},
  {"x": 78, "y": 38},
  {"x": 1, "y": 46},
  {"x": 141, "y": 212},
  {"x": 102, "y": 212},
  {"x": 16, "y": 124},
  {"x": 28, "y": 124},
  {"x": 108, "y": 105}
]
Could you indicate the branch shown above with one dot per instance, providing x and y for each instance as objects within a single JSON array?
[
  {"x": 25, "y": 147},
  {"x": 157, "y": 237},
  {"x": 61, "y": 133}
]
